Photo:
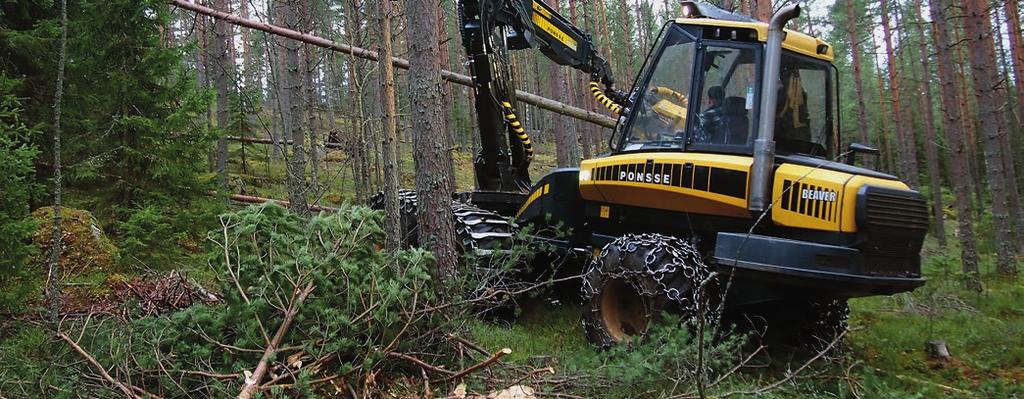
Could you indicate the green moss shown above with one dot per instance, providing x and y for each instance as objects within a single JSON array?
[{"x": 85, "y": 249}]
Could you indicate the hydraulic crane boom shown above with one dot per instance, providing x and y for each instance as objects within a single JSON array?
[{"x": 489, "y": 29}]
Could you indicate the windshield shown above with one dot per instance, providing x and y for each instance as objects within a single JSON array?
[
  {"x": 727, "y": 97},
  {"x": 661, "y": 117},
  {"x": 803, "y": 114}
]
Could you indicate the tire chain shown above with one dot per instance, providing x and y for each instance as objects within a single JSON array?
[{"x": 685, "y": 259}]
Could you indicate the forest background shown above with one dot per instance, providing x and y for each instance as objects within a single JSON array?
[{"x": 165, "y": 114}]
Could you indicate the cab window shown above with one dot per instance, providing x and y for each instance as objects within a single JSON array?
[
  {"x": 803, "y": 114},
  {"x": 726, "y": 104}
]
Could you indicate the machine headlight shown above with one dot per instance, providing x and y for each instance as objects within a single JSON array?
[{"x": 584, "y": 174}]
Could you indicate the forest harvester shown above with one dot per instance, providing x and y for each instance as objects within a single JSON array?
[{"x": 723, "y": 167}]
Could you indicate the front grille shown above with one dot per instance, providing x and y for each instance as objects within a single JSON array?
[
  {"x": 887, "y": 209},
  {"x": 893, "y": 224}
]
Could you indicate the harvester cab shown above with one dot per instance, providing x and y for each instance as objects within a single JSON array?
[{"x": 724, "y": 165}]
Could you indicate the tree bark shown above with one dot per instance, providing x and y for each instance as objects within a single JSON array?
[
  {"x": 566, "y": 140},
  {"x": 904, "y": 135},
  {"x": 401, "y": 63},
  {"x": 991, "y": 101},
  {"x": 434, "y": 212},
  {"x": 851, "y": 34},
  {"x": 223, "y": 65},
  {"x": 949, "y": 93},
  {"x": 931, "y": 144},
  {"x": 53, "y": 277},
  {"x": 392, "y": 221},
  {"x": 1013, "y": 26},
  {"x": 310, "y": 100},
  {"x": 297, "y": 187},
  {"x": 763, "y": 10},
  {"x": 888, "y": 155},
  {"x": 360, "y": 166},
  {"x": 1007, "y": 148},
  {"x": 970, "y": 133}
]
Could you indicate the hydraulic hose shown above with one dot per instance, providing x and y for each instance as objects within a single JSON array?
[
  {"x": 595, "y": 89},
  {"x": 513, "y": 120},
  {"x": 665, "y": 91}
]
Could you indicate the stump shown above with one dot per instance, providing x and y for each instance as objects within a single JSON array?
[{"x": 938, "y": 350}]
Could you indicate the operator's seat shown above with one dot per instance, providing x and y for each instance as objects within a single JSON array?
[{"x": 737, "y": 123}]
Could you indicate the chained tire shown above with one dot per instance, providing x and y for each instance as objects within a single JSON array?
[{"x": 636, "y": 278}]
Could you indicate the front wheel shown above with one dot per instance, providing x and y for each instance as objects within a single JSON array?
[{"x": 634, "y": 278}]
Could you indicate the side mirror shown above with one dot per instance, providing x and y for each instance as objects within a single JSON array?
[{"x": 858, "y": 148}]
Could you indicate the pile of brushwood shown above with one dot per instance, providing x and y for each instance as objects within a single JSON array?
[{"x": 311, "y": 306}]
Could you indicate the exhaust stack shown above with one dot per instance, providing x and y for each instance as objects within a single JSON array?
[{"x": 764, "y": 145}]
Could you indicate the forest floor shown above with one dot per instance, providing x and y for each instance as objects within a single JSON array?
[{"x": 884, "y": 354}]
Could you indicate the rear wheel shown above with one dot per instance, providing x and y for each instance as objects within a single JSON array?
[{"x": 634, "y": 278}]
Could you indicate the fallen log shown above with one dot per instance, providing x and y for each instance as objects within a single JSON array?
[
  {"x": 454, "y": 77},
  {"x": 257, "y": 140}
]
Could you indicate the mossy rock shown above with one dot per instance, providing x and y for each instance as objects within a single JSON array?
[{"x": 86, "y": 250}]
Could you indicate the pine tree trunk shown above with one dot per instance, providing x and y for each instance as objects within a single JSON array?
[
  {"x": 434, "y": 212},
  {"x": 1013, "y": 25},
  {"x": 223, "y": 66},
  {"x": 53, "y": 279},
  {"x": 1006, "y": 150},
  {"x": 970, "y": 133},
  {"x": 907, "y": 156},
  {"x": 297, "y": 187},
  {"x": 862, "y": 118},
  {"x": 580, "y": 83},
  {"x": 309, "y": 101},
  {"x": 763, "y": 9},
  {"x": 443, "y": 59},
  {"x": 361, "y": 164},
  {"x": 566, "y": 140},
  {"x": 949, "y": 93},
  {"x": 989, "y": 94},
  {"x": 626, "y": 24},
  {"x": 931, "y": 144},
  {"x": 888, "y": 154},
  {"x": 275, "y": 68},
  {"x": 392, "y": 221}
]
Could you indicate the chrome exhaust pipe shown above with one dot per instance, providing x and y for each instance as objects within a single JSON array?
[{"x": 764, "y": 145}]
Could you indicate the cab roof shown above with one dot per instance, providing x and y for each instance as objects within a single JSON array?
[{"x": 795, "y": 41}]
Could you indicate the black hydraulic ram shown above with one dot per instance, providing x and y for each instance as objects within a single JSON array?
[{"x": 489, "y": 29}]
